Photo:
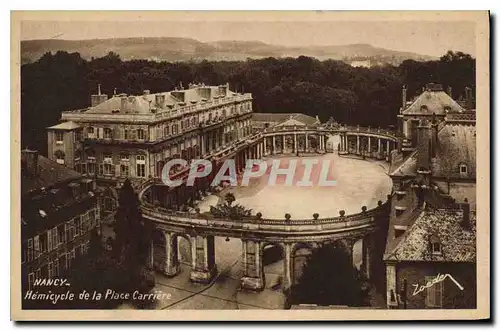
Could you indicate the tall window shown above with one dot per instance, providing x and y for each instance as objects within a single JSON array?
[
  {"x": 90, "y": 132},
  {"x": 141, "y": 166},
  {"x": 91, "y": 165},
  {"x": 126, "y": 135},
  {"x": 166, "y": 131},
  {"x": 59, "y": 137},
  {"x": 108, "y": 164},
  {"x": 108, "y": 133},
  {"x": 141, "y": 134},
  {"x": 124, "y": 164}
]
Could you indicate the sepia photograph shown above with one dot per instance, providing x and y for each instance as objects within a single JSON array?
[{"x": 190, "y": 165}]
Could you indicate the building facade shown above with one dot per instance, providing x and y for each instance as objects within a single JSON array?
[
  {"x": 434, "y": 182},
  {"x": 59, "y": 209}
]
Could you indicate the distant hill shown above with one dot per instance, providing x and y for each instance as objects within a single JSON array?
[{"x": 185, "y": 49}]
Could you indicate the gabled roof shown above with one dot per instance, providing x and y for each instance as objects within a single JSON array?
[
  {"x": 457, "y": 244},
  {"x": 70, "y": 125},
  {"x": 49, "y": 173},
  {"x": 433, "y": 102}
]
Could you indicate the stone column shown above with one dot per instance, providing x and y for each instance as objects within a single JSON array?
[
  {"x": 204, "y": 268},
  {"x": 151, "y": 255},
  {"x": 253, "y": 269},
  {"x": 307, "y": 143},
  {"x": 288, "y": 268},
  {"x": 274, "y": 145},
  {"x": 379, "y": 146},
  {"x": 171, "y": 267},
  {"x": 388, "y": 147},
  {"x": 366, "y": 257},
  {"x": 369, "y": 146},
  {"x": 295, "y": 143},
  {"x": 349, "y": 245},
  {"x": 357, "y": 144}
]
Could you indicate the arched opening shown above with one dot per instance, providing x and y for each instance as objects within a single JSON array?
[
  {"x": 332, "y": 142},
  {"x": 273, "y": 255},
  {"x": 300, "y": 255},
  {"x": 357, "y": 254},
  {"x": 184, "y": 250}
]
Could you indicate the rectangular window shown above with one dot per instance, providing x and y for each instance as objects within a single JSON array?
[
  {"x": 61, "y": 234},
  {"x": 141, "y": 134},
  {"x": 55, "y": 267},
  {"x": 36, "y": 244},
  {"x": 141, "y": 170},
  {"x": 59, "y": 137},
  {"x": 90, "y": 132},
  {"x": 30, "y": 250},
  {"x": 91, "y": 165},
  {"x": 126, "y": 135},
  {"x": 124, "y": 172},
  {"x": 31, "y": 279},
  {"x": 108, "y": 133},
  {"x": 434, "y": 294},
  {"x": 77, "y": 226},
  {"x": 141, "y": 166}
]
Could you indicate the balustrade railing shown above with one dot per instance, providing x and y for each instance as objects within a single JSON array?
[{"x": 253, "y": 223}]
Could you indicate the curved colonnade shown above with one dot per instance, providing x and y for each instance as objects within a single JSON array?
[{"x": 257, "y": 233}]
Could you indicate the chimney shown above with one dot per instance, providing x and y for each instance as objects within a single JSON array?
[
  {"x": 465, "y": 223},
  {"x": 31, "y": 161},
  {"x": 145, "y": 92},
  {"x": 468, "y": 98},
  {"x": 423, "y": 145},
  {"x": 159, "y": 100},
  {"x": 404, "y": 97},
  {"x": 98, "y": 98},
  {"x": 449, "y": 92},
  {"x": 434, "y": 135}
]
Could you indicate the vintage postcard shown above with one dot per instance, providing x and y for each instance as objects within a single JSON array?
[{"x": 250, "y": 166}]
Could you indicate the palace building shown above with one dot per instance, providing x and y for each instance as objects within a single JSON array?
[
  {"x": 58, "y": 210},
  {"x": 432, "y": 222}
]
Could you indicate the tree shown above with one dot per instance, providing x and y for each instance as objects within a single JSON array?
[
  {"x": 133, "y": 238},
  {"x": 329, "y": 278}
]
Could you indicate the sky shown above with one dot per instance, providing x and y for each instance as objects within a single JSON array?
[{"x": 423, "y": 37}]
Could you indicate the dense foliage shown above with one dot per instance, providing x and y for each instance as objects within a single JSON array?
[
  {"x": 336, "y": 282},
  {"x": 365, "y": 96}
]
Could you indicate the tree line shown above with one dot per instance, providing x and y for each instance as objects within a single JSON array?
[{"x": 364, "y": 96}]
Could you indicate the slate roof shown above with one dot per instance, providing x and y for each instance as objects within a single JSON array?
[
  {"x": 430, "y": 102},
  {"x": 458, "y": 244},
  {"x": 50, "y": 173},
  {"x": 457, "y": 145},
  {"x": 142, "y": 104}
]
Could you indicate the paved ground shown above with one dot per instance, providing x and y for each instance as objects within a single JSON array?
[{"x": 359, "y": 183}]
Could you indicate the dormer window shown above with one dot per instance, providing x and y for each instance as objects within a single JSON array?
[
  {"x": 463, "y": 169},
  {"x": 435, "y": 244}
]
